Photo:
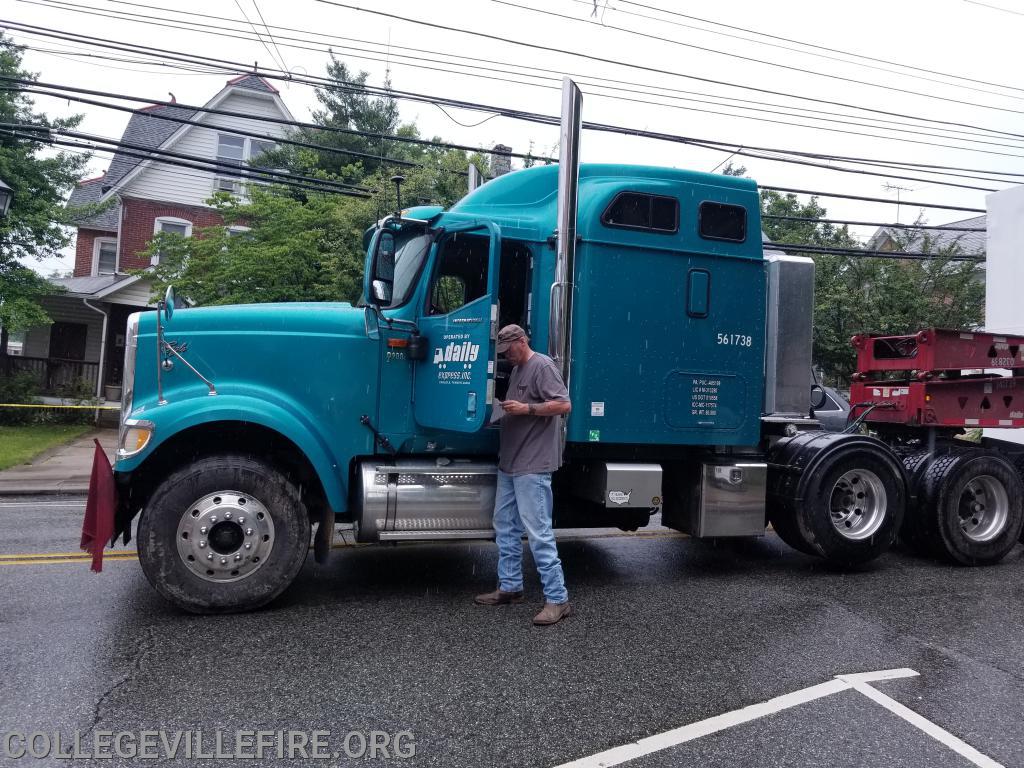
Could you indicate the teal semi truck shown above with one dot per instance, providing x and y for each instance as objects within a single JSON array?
[{"x": 685, "y": 346}]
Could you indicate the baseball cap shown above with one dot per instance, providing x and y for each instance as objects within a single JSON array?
[{"x": 507, "y": 335}]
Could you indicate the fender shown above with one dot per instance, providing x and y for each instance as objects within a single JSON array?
[{"x": 264, "y": 409}]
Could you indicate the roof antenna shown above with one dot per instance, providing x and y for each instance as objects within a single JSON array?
[
  {"x": 398, "y": 180},
  {"x": 173, "y": 100}
]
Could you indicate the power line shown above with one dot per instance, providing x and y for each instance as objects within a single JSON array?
[
  {"x": 475, "y": 64},
  {"x": 234, "y": 173},
  {"x": 871, "y": 254},
  {"x": 656, "y": 70},
  {"x": 871, "y": 223},
  {"x": 870, "y": 199},
  {"x": 667, "y": 137},
  {"x": 217, "y": 166},
  {"x": 818, "y": 47},
  {"x": 270, "y": 35},
  {"x": 264, "y": 118},
  {"x": 267, "y": 47},
  {"x": 309, "y": 80},
  {"x": 233, "y": 131},
  {"x": 764, "y": 62},
  {"x": 517, "y": 114}
]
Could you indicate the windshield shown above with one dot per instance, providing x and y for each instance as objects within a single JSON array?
[{"x": 401, "y": 266}]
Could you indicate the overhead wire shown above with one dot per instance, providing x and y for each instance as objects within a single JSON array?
[
  {"x": 473, "y": 62},
  {"x": 830, "y": 49},
  {"x": 476, "y": 73},
  {"x": 288, "y": 140},
  {"x": 641, "y": 67},
  {"x": 267, "y": 47},
  {"x": 311, "y": 80},
  {"x": 270, "y": 35},
  {"x": 861, "y": 252},
  {"x": 197, "y": 165},
  {"x": 755, "y": 60},
  {"x": 883, "y": 225}
]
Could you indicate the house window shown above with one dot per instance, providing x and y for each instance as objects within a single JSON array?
[
  {"x": 239, "y": 151},
  {"x": 171, "y": 226},
  {"x": 104, "y": 256}
]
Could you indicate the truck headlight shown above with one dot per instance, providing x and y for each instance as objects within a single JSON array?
[{"x": 135, "y": 436}]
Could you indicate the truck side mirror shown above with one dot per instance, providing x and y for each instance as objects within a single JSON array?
[
  {"x": 817, "y": 396},
  {"x": 381, "y": 291}
]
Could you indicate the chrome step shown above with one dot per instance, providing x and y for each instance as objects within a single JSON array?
[{"x": 482, "y": 533}]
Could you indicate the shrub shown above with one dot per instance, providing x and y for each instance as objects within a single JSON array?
[{"x": 18, "y": 388}]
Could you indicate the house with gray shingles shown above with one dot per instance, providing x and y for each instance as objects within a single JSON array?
[
  {"x": 969, "y": 241},
  {"x": 86, "y": 340}
]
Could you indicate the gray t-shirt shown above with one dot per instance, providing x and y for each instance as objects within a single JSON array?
[{"x": 532, "y": 444}]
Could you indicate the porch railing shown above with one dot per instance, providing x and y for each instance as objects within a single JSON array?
[{"x": 54, "y": 376}]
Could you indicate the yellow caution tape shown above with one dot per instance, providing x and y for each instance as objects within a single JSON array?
[{"x": 87, "y": 407}]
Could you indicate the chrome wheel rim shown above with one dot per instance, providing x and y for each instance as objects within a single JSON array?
[
  {"x": 857, "y": 504},
  {"x": 984, "y": 508},
  {"x": 225, "y": 536}
]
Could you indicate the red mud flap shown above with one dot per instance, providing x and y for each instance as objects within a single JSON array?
[{"x": 98, "y": 525}]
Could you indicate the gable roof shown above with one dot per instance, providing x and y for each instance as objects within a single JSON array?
[
  {"x": 147, "y": 128},
  {"x": 969, "y": 242},
  {"x": 86, "y": 193}
]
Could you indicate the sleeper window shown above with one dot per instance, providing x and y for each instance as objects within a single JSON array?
[{"x": 634, "y": 210}]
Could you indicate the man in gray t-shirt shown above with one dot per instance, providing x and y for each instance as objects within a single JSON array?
[{"x": 530, "y": 451}]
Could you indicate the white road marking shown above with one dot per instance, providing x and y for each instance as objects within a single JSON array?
[
  {"x": 941, "y": 735},
  {"x": 41, "y": 504},
  {"x": 857, "y": 682}
]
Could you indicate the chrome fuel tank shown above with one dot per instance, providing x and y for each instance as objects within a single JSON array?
[{"x": 425, "y": 499}]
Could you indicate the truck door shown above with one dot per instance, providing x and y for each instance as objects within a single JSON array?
[{"x": 455, "y": 383}]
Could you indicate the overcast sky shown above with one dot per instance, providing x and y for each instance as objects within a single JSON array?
[{"x": 948, "y": 37}]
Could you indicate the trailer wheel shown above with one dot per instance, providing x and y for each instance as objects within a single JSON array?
[
  {"x": 853, "y": 505},
  {"x": 224, "y": 534},
  {"x": 913, "y": 532},
  {"x": 972, "y": 507}
]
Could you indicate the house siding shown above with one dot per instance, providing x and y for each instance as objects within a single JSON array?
[
  {"x": 84, "y": 250},
  {"x": 135, "y": 295},
  {"x": 137, "y": 222},
  {"x": 67, "y": 310},
  {"x": 193, "y": 187}
]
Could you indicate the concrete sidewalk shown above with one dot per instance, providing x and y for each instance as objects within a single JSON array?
[{"x": 63, "y": 470}]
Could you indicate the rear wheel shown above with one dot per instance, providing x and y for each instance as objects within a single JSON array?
[
  {"x": 972, "y": 507},
  {"x": 853, "y": 506},
  {"x": 224, "y": 534}
]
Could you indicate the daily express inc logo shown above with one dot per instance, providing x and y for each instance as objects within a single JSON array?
[{"x": 466, "y": 352}]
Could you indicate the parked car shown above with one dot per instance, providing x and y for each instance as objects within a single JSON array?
[{"x": 834, "y": 409}]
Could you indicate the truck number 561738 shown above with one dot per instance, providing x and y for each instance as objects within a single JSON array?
[{"x": 737, "y": 339}]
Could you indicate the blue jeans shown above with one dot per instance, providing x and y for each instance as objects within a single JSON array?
[{"x": 523, "y": 503}]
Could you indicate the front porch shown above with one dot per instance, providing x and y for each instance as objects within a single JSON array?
[{"x": 80, "y": 355}]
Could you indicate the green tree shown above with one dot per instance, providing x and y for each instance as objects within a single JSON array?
[
  {"x": 34, "y": 228},
  {"x": 862, "y": 294},
  {"x": 273, "y": 247}
]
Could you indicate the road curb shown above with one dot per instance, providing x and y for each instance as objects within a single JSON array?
[{"x": 69, "y": 491}]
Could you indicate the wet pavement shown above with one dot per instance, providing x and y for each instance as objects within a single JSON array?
[{"x": 668, "y": 632}]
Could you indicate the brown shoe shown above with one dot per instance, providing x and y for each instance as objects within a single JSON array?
[
  {"x": 497, "y": 597},
  {"x": 552, "y": 613}
]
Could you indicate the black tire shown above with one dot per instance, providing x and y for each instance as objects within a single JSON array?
[
  {"x": 860, "y": 533},
  {"x": 966, "y": 482},
  {"x": 169, "y": 541},
  {"x": 912, "y": 532},
  {"x": 783, "y": 520}
]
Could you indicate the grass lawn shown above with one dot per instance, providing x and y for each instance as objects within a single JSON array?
[{"x": 19, "y": 444}]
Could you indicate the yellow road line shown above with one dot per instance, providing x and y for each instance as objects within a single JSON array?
[{"x": 56, "y": 558}]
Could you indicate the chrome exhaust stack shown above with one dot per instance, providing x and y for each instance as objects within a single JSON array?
[{"x": 560, "y": 316}]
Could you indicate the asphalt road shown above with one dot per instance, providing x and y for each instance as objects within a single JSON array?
[{"x": 668, "y": 632}]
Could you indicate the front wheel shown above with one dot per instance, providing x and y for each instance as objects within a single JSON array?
[{"x": 224, "y": 534}]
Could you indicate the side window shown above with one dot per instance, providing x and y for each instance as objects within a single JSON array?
[
  {"x": 719, "y": 221},
  {"x": 829, "y": 405},
  {"x": 460, "y": 275},
  {"x": 634, "y": 210}
]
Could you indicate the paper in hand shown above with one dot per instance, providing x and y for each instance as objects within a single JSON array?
[{"x": 497, "y": 411}]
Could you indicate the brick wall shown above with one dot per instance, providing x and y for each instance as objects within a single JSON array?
[
  {"x": 137, "y": 221},
  {"x": 83, "y": 250}
]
